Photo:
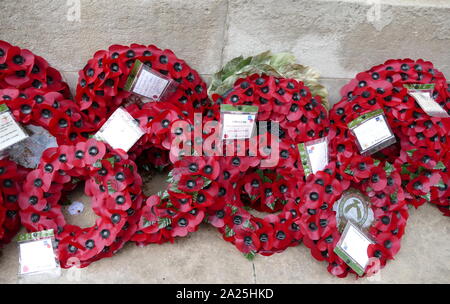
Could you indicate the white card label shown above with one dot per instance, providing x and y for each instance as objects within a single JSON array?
[
  {"x": 318, "y": 155},
  {"x": 120, "y": 131},
  {"x": 237, "y": 125},
  {"x": 150, "y": 85},
  {"x": 10, "y": 131},
  {"x": 352, "y": 248},
  {"x": 372, "y": 131},
  {"x": 37, "y": 256},
  {"x": 428, "y": 104}
]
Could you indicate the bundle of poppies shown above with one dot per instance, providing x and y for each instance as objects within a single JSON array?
[
  {"x": 110, "y": 176},
  {"x": 36, "y": 95},
  {"x": 422, "y": 149},
  {"x": 216, "y": 180}
]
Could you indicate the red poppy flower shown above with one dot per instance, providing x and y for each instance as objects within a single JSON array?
[
  {"x": 377, "y": 251},
  {"x": 185, "y": 223},
  {"x": 421, "y": 185},
  {"x": 337, "y": 266},
  {"x": 377, "y": 179},
  {"x": 190, "y": 183},
  {"x": 95, "y": 150},
  {"x": 390, "y": 242},
  {"x": 239, "y": 220},
  {"x": 361, "y": 167},
  {"x": 247, "y": 241},
  {"x": 313, "y": 195},
  {"x": 37, "y": 180},
  {"x": 282, "y": 236},
  {"x": 216, "y": 214}
]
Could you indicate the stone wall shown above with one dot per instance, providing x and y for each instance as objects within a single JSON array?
[{"x": 339, "y": 38}]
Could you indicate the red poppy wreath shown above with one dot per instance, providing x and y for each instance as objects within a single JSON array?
[
  {"x": 380, "y": 183},
  {"x": 87, "y": 245},
  {"x": 70, "y": 163},
  {"x": 110, "y": 179},
  {"x": 179, "y": 209},
  {"x": 422, "y": 148},
  {"x": 301, "y": 118},
  {"x": 35, "y": 94},
  {"x": 254, "y": 180},
  {"x": 205, "y": 187},
  {"x": 101, "y": 82},
  {"x": 101, "y": 90}
]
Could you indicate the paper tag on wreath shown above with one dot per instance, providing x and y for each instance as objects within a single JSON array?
[
  {"x": 148, "y": 83},
  {"x": 37, "y": 253},
  {"x": 423, "y": 94},
  {"x": 11, "y": 132},
  {"x": 120, "y": 131},
  {"x": 314, "y": 155},
  {"x": 372, "y": 132},
  {"x": 352, "y": 248},
  {"x": 238, "y": 122}
]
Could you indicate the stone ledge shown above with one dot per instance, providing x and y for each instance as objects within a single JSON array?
[
  {"x": 339, "y": 38},
  {"x": 192, "y": 29}
]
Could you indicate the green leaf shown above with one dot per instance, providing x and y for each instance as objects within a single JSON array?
[
  {"x": 248, "y": 224},
  {"x": 348, "y": 171},
  {"x": 207, "y": 181},
  {"x": 111, "y": 190},
  {"x": 147, "y": 223},
  {"x": 282, "y": 59},
  {"x": 411, "y": 152},
  {"x": 234, "y": 209},
  {"x": 250, "y": 256},
  {"x": 376, "y": 162},
  {"x": 75, "y": 180},
  {"x": 271, "y": 205},
  {"x": 229, "y": 232},
  {"x": 194, "y": 196},
  {"x": 369, "y": 189},
  {"x": 112, "y": 161},
  {"x": 160, "y": 169},
  {"x": 278, "y": 65},
  {"x": 427, "y": 196},
  {"x": 97, "y": 164},
  {"x": 131, "y": 167},
  {"x": 441, "y": 184},
  {"x": 163, "y": 222},
  {"x": 393, "y": 196},
  {"x": 163, "y": 194},
  {"x": 265, "y": 179},
  {"x": 248, "y": 208},
  {"x": 405, "y": 169},
  {"x": 439, "y": 166},
  {"x": 388, "y": 168}
]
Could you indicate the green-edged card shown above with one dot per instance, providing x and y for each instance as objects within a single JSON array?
[{"x": 352, "y": 248}]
